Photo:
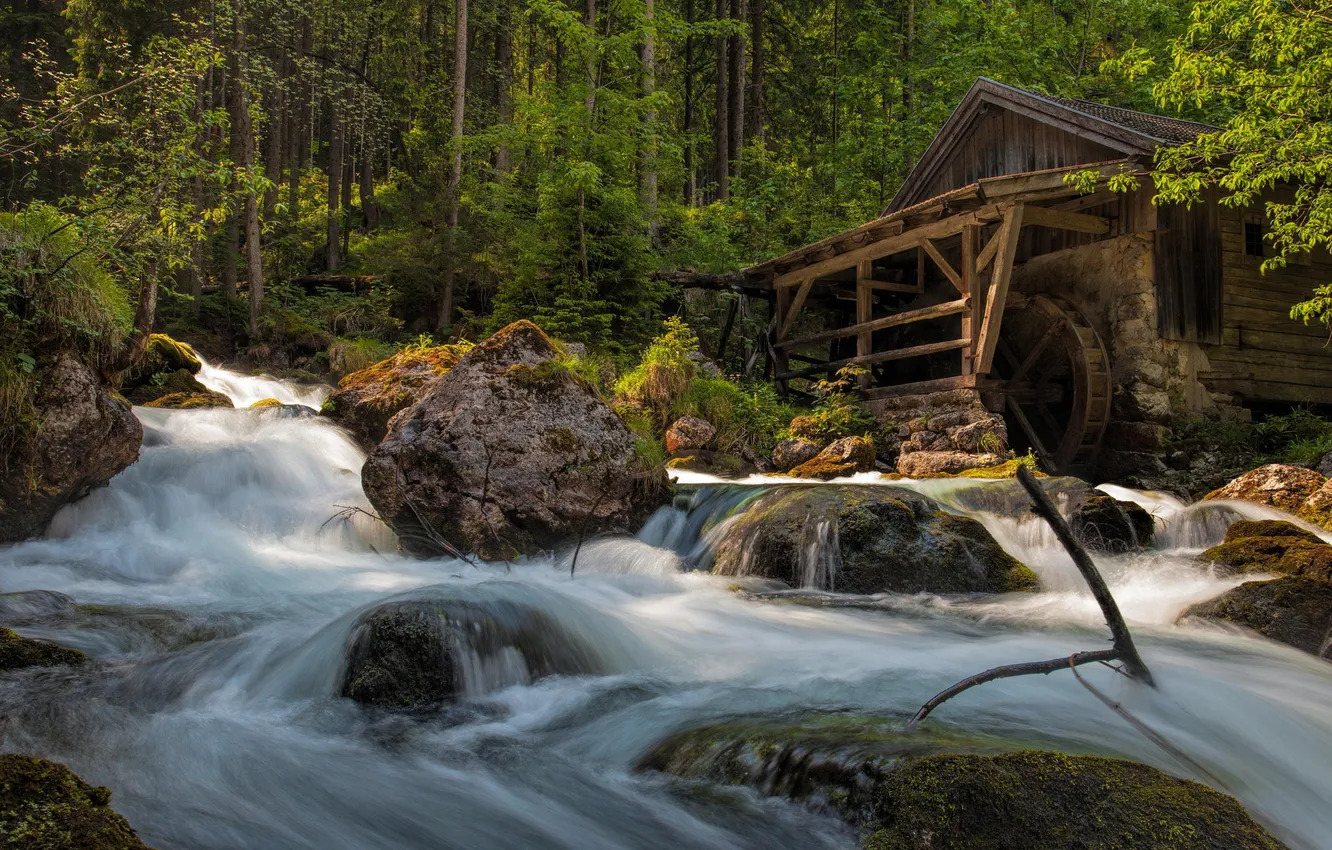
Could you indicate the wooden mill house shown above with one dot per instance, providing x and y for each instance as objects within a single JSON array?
[{"x": 1075, "y": 314}]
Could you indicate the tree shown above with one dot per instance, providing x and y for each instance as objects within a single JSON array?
[
  {"x": 456, "y": 154},
  {"x": 1263, "y": 70}
]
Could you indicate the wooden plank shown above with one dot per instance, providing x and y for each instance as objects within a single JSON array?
[
  {"x": 889, "y": 286},
  {"x": 997, "y": 295},
  {"x": 794, "y": 311},
  {"x": 987, "y": 253},
  {"x": 1095, "y": 199},
  {"x": 935, "y": 311},
  {"x": 880, "y": 357},
  {"x": 781, "y": 305},
  {"x": 944, "y": 266},
  {"x": 884, "y": 247},
  {"x": 1060, "y": 220}
]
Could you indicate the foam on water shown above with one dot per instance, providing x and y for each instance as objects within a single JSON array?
[{"x": 224, "y": 731}]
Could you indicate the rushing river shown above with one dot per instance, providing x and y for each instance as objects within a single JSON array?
[{"x": 216, "y": 595}]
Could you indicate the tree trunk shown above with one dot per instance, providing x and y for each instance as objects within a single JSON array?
[
  {"x": 243, "y": 147},
  {"x": 369, "y": 206},
  {"x": 145, "y": 313},
  {"x": 348, "y": 178},
  {"x": 590, "y": 21},
  {"x": 691, "y": 176},
  {"x": 503, "y": 85},
  {"x": 736, "y": 89},
  {"x": 648, "y": 166},
  {"x": 273, "y": 151},
  {"x": 756, "y": 106},
  {"x": 333, "y": 261},
  {"x": 455, "y": 169},
  {"x": 231, "y": 250},
  {"x": 721, "y": 120}
]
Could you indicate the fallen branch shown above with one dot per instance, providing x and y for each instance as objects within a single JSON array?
[
  {"x": 582, "y": 532},
  {"x": 1123, "y": 649}
]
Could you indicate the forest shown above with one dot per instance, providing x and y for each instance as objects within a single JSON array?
[{"x": 646, "y": 424}]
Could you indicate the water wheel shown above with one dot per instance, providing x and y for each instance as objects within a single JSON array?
[{"x": 1057, "y": 380}]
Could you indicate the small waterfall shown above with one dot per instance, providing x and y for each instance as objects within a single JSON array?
[{"x": 245, "y": 390}]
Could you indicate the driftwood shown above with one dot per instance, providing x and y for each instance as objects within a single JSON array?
[{"x": 1122, "y": 649}]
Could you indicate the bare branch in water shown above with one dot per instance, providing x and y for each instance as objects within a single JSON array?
[
  {"x": 1008, "y": 671},
  {"x": 1124, "y": 651},
  {"x": 582, "y": 532},
  {"x": 1123, "y": 641}
]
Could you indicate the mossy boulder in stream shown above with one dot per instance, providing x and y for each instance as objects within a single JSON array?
[
  {"x": 1051, "y": 801},
  {"x": 45, "y": 806},
  {"x": 1271, "y": 546},
  {"x": 865, "y": 539},
  {"x": 1294, "y": 611},
  {"x": 422, "y": 653},
  {"x": 509, "y": 452},
  {"x": 1106, "y": 524},
  {"x": 191, "y": 401},
  {"x": 367, "y": 399},
  {"x": 939, "y": 790},
  {"x": 17, "y": 652}
]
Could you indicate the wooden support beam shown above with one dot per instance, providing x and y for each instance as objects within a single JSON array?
[
  {"x": 789, "y": 319},
  {"x": 781, "y": 306},
  {"x": 986, "y": 256},
  {"x": 889, "y": 286},
  {"x": 885, "y": 247},
  {"x": 879, "y": 357},
  {"x": 920, "y": 266},
  {"x": 1095, "y": 199},
  {"x": 970, "y": 283},
  {"x": 934, "y": 385},
  {"x": 944, "y": 266},
  {"x": 864, "y": 313},
  {"x": 997, "y": 296},
  {"x": 1062, "y": 220},
  {"x": 934, "y": 311}
]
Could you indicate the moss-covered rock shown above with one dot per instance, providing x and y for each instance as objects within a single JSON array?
[
  {"x": 1051, "y": 801},
  {"x": 45, "y": 806},
  {"x": 712, "y": 463},
  {"x": 191, "y": 401},
  {"x": 164, "y": 384},
  {"x": 789, "y": 454},
  {"x": 1277, "y": 485},
  {"x": 941, "y": 790},
  {"x": 265, "y": 402},
  {"x": 17, "y": 651},
  {"x": 1106, "y": 524},
  {"x": 422, "y": 653},
  {"x": 843, "y": 457},
  {"x": 865, "y": 539},
  {"x": 367, "y": 399},
  {"x": 1294, "y": 611},
  {"x": 1271, "y": 546}
]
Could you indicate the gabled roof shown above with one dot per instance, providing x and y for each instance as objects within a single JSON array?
[{"x": 1127, "y": 131}]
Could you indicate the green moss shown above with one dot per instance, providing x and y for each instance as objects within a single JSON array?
[
  {"x": 17, "y": 652},
  {"x": 1051, "y": 801},
  {"x": 172, "y": 354},
  {"x": 190, "y": 401},
  {"x": 1293, "y": 554},
  {"x": 1268, "y": 528},
  {"x": 1007, "y": 469},
  {"x": 265, "y": 402},
  {"x": 45, "y": 806}
]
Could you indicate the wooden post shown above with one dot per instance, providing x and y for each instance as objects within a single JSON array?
[
  {"x": 781, "y": 361},
  {"x": 864, "y": 313},
  {"x": 920, "y": 268},
  {"x": 997, "y": 296},
  {"x": 971, "y": 318}
]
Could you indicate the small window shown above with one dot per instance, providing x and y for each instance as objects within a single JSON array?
[{"x": 1253, "y": 237}]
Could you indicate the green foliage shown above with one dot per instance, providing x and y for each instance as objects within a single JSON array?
[
  {"x": 837, "y": 412},
  {"x": 1262, "y": 70}
]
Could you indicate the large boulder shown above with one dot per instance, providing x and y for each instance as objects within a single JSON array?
[
  {"x": 689, "y": 432},
  {"x": 17, "y": 652},
  {"x": 865, "y": 539},
  {"x": 81, "y": 437},
  {"x": 164, "y": 384},
  {"x": 906, "y": 791},
  {"x": 1293, "y": 611},
  {"x": 366, "y": 400},
  {"x": 1271, "y": 546},
  {"x": 1277, "y": 485},
  {"x": 168, "y": 366},
  {"x": 791, "y": 453},
  {"x": 45, "y": 806},
  {"x": 1106, "y": 524},
  {"x": 509, "y": 452},
  {"x": 846, "y": 456},
  {"x": 422, "y": 653},
  {"x": 926, "y": 464}
]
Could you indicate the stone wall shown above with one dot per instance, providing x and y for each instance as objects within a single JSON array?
[{"x": 941, "y": 432}]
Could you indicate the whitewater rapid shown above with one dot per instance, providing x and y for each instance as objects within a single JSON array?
[{"x": 216, "y": 581}]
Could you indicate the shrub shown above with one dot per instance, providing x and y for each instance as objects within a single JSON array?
[{"x": 837, "y": 413}]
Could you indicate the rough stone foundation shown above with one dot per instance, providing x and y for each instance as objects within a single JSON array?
[{"x": 950, "y": 430}]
